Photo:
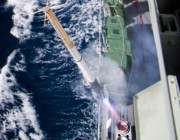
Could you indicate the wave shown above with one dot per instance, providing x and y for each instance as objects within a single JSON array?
[
  {"x": 84, "y": 22},
  {"x": 18, "y": 117},
  {"x": 49, "y": 58},
  {"x": 79, "y": 18},
  {"x": 22, "y": 17}
]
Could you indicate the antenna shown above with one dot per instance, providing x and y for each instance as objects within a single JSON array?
[
  {"x": 47, "y": 3},
  {"x": 48, "y": 7}
]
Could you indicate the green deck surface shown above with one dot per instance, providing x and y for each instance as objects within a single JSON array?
[
  {"x": 122, "y": 59},
  {"x": 116, "y": 7},
  {"x": 116, "y": 33},
  {"x": 120, "y": 9},
  {"x": 119, "y": 48},
  {"x": 115, "y": 21},
  {"x": 113, "y": 2}
]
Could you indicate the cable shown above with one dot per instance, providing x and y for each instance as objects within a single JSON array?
[{"x": 140, "y": 21}]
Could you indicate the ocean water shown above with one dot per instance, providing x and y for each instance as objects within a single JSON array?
[{"x": 43, "y": 95}]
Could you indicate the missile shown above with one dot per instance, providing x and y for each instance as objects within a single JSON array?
[{"x": 88, "y": 75}]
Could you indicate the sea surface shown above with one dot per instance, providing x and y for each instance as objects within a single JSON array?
[{"x": 43, "y": 95}]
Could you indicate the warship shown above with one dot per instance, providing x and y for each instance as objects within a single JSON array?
[{"x": 154, "y": 112}]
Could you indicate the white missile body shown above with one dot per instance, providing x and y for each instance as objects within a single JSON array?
[
  {"x": 82, "y": 65},
  {"x": 88, "y": 75}
]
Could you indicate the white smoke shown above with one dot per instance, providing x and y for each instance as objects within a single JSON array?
[
  {"x": 108, "y": 73},
  {"x": 22, "y": 17},
  {"x": 145, "y": 71}
]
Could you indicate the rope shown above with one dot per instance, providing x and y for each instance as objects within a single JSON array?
[
  {"x": 140, "y": 21},
  {"x": 142, "y": 42}
]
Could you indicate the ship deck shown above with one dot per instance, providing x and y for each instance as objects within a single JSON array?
[{"x": 144, "y": 59}]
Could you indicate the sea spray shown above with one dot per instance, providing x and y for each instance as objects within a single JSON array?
[
  {"x": 22, "y": 17},
  {"x": 111, "y": 78},
  {"x": 18, "y": 117}
]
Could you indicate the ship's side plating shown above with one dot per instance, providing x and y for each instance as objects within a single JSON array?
[{"x": 157, "y": 108}]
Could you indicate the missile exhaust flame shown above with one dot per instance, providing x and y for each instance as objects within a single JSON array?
[{"x": 114, "y": 114}]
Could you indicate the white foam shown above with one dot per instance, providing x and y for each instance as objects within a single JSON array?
[
  {"x": 52, "y": 2},
  {"x": 5, "y": 97},
  {"x": 22, "y": 135},
  {"x": 83, "y": 22},
  {"x": 22, "y": 17},
  {"x": 35, "y": 137},
  {"x": 28, "y": 110},
  {"x": 18, "y": 117}
]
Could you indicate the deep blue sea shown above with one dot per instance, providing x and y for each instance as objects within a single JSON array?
[{"x": 43, "y": 95}]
